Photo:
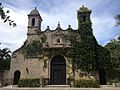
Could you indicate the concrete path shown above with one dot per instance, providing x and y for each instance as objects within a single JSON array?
[{"x": 55, "y": 88}]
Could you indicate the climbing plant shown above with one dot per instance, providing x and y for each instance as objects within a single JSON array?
[
  {"x": 57, "y": 51},
  {"x": 32, "y": 49},
  {"x": 87, "y": 54}
]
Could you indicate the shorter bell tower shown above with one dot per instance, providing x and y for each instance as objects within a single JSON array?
[{"x": 83, "y": 16}]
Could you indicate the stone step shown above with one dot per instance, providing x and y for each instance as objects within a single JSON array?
[
  {"x": 57, "y": 86},
  {"x": 15, "y": 88}
]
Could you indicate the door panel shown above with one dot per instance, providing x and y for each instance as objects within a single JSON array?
[{"x": 58, "y": 72}]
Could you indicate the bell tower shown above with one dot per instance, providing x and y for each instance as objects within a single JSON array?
[
  {"x": 83, "y": 16},
  {"x": 34, "y": 21}
]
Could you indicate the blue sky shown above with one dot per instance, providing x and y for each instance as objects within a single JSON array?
[{"x": 63, "y": 11}]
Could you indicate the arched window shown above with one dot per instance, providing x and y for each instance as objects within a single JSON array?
[
  {"x": 84, "y": 18},
  {"x": 33, "y": 21},
  {"x": 58, "y": 40}
]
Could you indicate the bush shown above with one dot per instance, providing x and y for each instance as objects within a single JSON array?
[
  {"x": 110, "y": 82},
  {"x": 86, "y": 83},
  {"x": 29, "y": 83}
]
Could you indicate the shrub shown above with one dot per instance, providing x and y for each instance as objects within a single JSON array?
[
  {"x": 113, "y": 81},
  {"x": 86, "y": 83},
  {"x": 29, "y": 83}
]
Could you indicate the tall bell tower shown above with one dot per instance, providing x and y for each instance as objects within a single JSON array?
[
  {"x": 34, "y": 25},
  {"x": 34, "y": 21}
]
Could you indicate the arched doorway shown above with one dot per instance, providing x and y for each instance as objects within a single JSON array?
[
  {"x": 58, "y": 70},
  {"x": 102, "y": 76},
  {"x": 16, "y": 77}
]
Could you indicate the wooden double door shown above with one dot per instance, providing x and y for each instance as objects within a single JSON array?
[{"x": 58, "y": 71}]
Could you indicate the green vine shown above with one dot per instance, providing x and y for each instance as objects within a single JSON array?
[
  {"x": 57, "y": 51},
  {"x": 87, "y": 54},
  {"x": 32, "y": 49}
]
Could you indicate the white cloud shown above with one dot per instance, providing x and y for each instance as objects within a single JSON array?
[
  {"x": 102, "y": 24},
  {"x": 104, "y": 29},
  {"x": 63, "y": 11},
  {"x": 10, "y": 36}
]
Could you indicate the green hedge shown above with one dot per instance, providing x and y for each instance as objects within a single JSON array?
[
  {"x": 86, "y": 83},
  {"x": 29, "y": 83}
]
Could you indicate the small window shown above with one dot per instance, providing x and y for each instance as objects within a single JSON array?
[
  {"x": 84, "y": 18},
  {"x": 58, "y": 40},
  {"x": 33, "y": 21}
]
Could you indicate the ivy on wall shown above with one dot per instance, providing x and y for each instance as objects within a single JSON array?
[
  {"x": 32, "y": 49},
  {"x": 87, "y": 54}
]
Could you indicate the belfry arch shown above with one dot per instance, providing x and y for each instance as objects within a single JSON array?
[{"x": 33, "y": 21}]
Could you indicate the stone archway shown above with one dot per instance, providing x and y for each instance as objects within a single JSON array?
[
  {"x": 17, "y": 74},
  {"x": 58, "y": 70}
]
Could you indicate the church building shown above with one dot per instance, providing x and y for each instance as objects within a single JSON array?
[{"x": 44, "y": 54}]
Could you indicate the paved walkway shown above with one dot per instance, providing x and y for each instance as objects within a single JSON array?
[
  {"x": 56, "y": 88},
  {"x": 59, "y": 88}
]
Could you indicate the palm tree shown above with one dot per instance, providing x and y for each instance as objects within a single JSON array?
[
  {"x": 4, "y": 56},
  {"x": 4, "y": 62}
]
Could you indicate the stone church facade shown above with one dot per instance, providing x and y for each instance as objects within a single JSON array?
[{"x": 55, "y": 68}]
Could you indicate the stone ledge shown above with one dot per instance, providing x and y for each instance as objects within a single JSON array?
[{"x": 57, "y": 86}]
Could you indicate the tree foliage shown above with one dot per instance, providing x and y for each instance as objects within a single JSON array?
[
  {"x": 5, "y": 17},
  {"x": 5, "y": 59},
  {"x": 114, "y": 48}
]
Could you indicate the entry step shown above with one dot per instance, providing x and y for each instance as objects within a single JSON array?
[{"x": 58, "y": 86}]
